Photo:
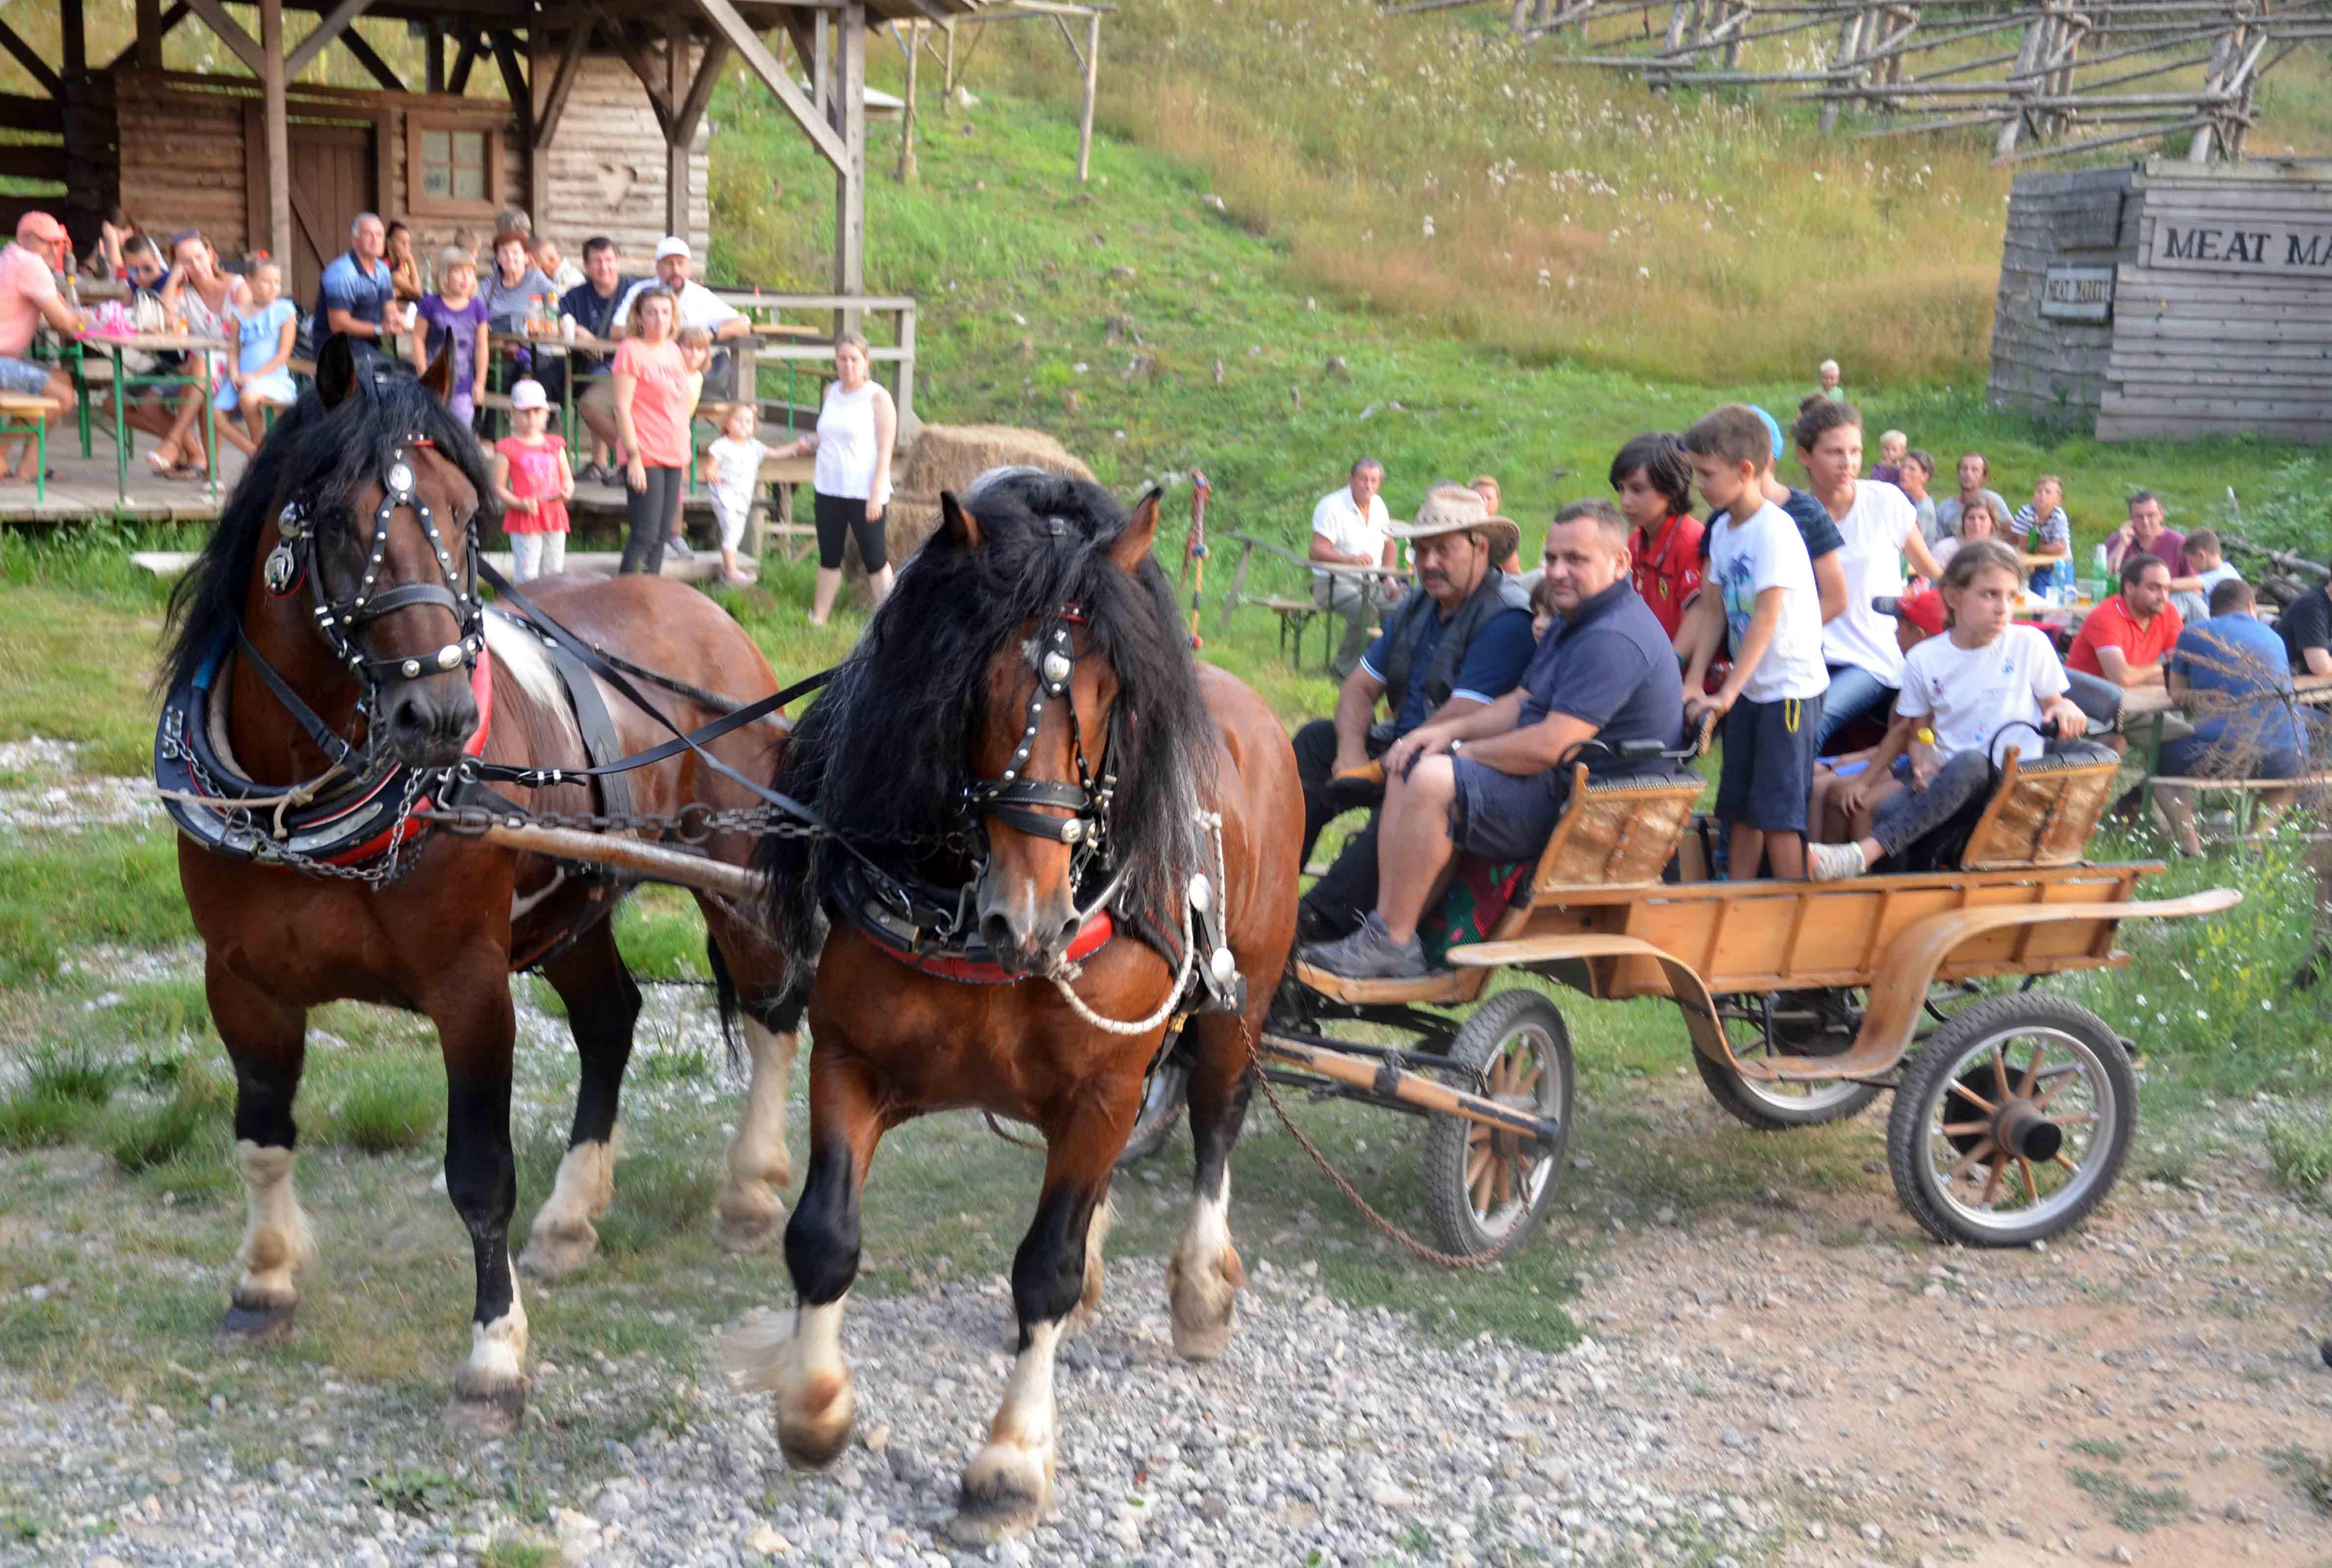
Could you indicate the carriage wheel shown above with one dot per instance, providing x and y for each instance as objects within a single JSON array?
[
  {"x": 1161, "y": 1107},
  {"x": 1486, "y": 1191},
  {"x": 1772, "y": 1106},
  {"x": 2012, "y": 1121}
]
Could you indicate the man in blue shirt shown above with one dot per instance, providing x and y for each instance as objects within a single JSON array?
[
  {"x": 1460, "y": 644},
  {"x": 356, "y": 296},
  {"x": 1492, "y": 782},
  {"x": 2233, "y": 675}
]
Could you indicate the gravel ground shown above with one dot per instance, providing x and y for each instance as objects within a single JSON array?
[
  {"x": 1323, "y": 1431},
  {"x": 55, "y": 796}
]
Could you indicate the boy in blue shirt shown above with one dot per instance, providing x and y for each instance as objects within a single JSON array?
[
  {"x": 1760, "y": 591},
  {"x": 2231, "y": 674}
]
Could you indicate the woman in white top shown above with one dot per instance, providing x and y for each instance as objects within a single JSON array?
[
  {"x": 1879, "y": 527},
  {"x": 857, "y": 427}
]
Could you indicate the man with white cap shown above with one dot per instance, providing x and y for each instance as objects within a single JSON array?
[
  {"x": 1459, "y": 644},
  {"x": 695, "y": 305},
  {"x": 28, "y": 297}
]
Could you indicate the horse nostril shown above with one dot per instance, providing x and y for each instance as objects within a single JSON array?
[{"x": 996, "y": 933}]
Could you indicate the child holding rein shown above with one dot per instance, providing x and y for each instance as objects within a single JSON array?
[{"x": 1761, "y": 590}]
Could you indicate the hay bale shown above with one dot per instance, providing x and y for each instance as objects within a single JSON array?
[{"x": 950, "y": 457}]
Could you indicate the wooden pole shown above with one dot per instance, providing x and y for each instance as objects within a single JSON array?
[
  {"x": 947, "y": 71},
  {"x": 74, "y": 35},
  {"x": 654, "y": 861},
  {"x": 1092, "y": 85},
  {"x": 276, "y": 114},
  {"x": 677, "y": 142},
  {"x": 150, "y": 34},
  {"x": 907, "y": 116},
  {"x": 432, "y": 49},
  {"x": 850, "y": 180},
  {"x": 1410, "y": 1088}
]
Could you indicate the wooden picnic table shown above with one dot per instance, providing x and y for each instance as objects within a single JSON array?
[{"x": 199, "y": 378}]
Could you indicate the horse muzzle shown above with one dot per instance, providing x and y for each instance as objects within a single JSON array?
[
  {"x": 426, "y": 722},
  {"x": 1025, "y": 933}
]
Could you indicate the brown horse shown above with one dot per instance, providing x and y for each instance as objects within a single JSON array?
[
  {"x": 1024, "y": 749},
  {"x": 364, "y": 502}
]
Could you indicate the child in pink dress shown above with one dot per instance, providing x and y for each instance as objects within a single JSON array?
[{"x": 533, "y": 484}]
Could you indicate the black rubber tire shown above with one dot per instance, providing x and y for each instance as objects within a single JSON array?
[
  {"x": 1928, "y": 1078},
  {"x": 1162, "y": 1101},
  {"x": 1507, "y": 1018},
  {"x": 1753, "y": 1105}
]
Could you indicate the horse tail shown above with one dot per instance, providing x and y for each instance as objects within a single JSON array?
[{"x": 724, "y": 999}]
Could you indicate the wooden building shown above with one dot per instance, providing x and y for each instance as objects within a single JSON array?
[
  {"x": 600, "y": 128},
  {"x": 2162, "y": 299}
]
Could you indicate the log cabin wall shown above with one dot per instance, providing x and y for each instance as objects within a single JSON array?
[
  {"x": 2163, "y": 301},
  {"x": 607, "y": 173}
]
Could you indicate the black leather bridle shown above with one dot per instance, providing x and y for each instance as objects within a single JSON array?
[{"x": 1009, "y": 797}]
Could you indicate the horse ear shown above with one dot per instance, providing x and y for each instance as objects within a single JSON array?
[
  {"x": 1133, "y": 546},
  {"x": 957, "y": 525},
  {"x": 439, "y": 378},
  {"x": 336, "y": 370}
]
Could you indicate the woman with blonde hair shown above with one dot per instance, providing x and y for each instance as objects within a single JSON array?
[
  {"x": 651, "y": 389},
  {"x": 856, "y": 426}
]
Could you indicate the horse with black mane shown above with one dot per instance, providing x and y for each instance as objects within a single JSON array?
[
  {"x": 1054, "y": 837},
  {"x": 330, "y": 662}
]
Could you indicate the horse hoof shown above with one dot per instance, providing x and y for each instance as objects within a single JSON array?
[
  {"x": 1204, "y": 1302},
  {"x": 484, "y": 1420},
  {"x": 257, "y": 1324},
  {"x": 747, "y": 1231},
  {"x": 1004, "y": 1493},
  {"x": 813, "y": 1434},
  {"x": 556, "y": 1251}
]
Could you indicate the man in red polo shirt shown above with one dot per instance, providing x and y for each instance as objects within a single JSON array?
[{"x": 2128, "y": 638}]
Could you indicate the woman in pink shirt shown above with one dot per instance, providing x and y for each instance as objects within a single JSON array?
[{"x": 652, "y": 409}]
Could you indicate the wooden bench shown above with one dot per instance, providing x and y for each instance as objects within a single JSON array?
[
  {"x": 1615, "y": 833},
  {"x": 2246, "y": 792},
  {"x": 1294, "y": 614},
  {"x": 25, "y": 415}
]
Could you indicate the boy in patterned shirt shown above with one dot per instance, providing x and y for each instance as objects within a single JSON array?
[{"x": 2042, "y": 527}]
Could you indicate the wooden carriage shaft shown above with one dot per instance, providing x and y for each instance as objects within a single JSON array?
[{"x": 1410, "y": 1088}]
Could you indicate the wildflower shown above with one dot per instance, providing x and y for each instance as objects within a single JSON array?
[
  {"x": 1429, "y": 225},
  {"x": 1643, "y": 271}
]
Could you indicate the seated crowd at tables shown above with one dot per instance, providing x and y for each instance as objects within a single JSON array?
[
  {"x": 1862, "y": 708},
  {"x": 670, "y": 366}
]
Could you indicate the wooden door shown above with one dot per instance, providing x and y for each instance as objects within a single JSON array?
[{"x": 334, "y": 176}]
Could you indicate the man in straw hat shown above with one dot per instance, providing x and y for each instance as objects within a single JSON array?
[
  {"x": 1460, "y": 643},
  {"x": 1491, "y": 782}
]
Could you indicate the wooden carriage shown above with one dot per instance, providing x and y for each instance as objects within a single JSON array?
[{"x": 1803, "y": 999}]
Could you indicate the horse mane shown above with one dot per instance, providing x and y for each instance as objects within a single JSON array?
[
  {"x": 882, "y": 755},
  {"x": 318, "y": 456}
]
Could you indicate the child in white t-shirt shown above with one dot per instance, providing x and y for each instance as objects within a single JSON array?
[
  {"x": 1969, "y": 698},
  {"x": 733, "y": 475},
  {"x": 1761, "y": 588}
]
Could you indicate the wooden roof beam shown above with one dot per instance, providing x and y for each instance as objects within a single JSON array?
[
  {"x": 551, "y": 106},
  {"x": 366, "y": 56},
  {"x": 700, "y": 91},
  {"x": 628, "y": 48},
  {"x": 34, "y": 66},
  {"x": 167, "y": 20},
  {"x": 458, "y": 82},
  {"x": 748, "y": 43},
  {"x": 514, "y": 86},
  {"x": 241, "y": 45},
  {"x": 328, "y": 26}
]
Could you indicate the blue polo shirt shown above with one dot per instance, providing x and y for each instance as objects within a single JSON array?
[
  {"x": 346, "y": 285},
  {"x": 1494, "y": 665},
  {"x": 2238, "y": 667},
  {"x": 1609, "y": 665}
]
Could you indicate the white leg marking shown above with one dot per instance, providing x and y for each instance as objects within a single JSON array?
[
  {"x": 562, "y": 1237},
  {"x": 496, "y": 1369},
  {"x": 760, "y": 1167},
  {"x": 804, "y": 1368},
  {"x": 1009, "y": 1482},
  {"x": 275, "y": 1235},
  {"x": 1204, "y": 1276}
]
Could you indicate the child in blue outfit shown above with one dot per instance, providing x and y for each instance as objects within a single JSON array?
[
  {"x": 2041, "y": 527},
  {"x": 260, "y": 373},
  {"x": 1760, "y": 588}
]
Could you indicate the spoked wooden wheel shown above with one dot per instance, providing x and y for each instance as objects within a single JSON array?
[
  {"x": 1787, "y": 1024},
  {"x": 1486, "y": 1190},
  {"x": 2012, "y": 1121}
]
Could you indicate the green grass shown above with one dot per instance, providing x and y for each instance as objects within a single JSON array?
[
  {"x": 59, "y": 894},
  {"x": 2300, "y": 1149},
  {"x": 2136, "y": 1509},
  {"x": 2310, "y": 1472},
  {"x": 388, "y": 1102}
]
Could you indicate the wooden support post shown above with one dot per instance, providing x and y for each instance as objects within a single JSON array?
[
  {"x": 74, "y": 35},
  {"x": 150, "y": 34},
  {"x": 432, "y": 49},
  {"x": 849, "y": 122},
  {"x": 947, "y": 72},
  {"x": 1092, "y": 85},
  {"x": 907, "y": 113},
  {"x": 275, "y": 114},
  {"x": 677, "y": 136}
]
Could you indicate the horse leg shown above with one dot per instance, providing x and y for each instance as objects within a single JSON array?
[
  {"x": 602, "y": 1003},
  {"x": 1204, "y": 1276},
  {"x": 815, "y": 1400},
  {"x": 267, "y": 1041},
  {"x": 1088, "y": 1306},
  {"x": 476, "y": 1026},
  {"x": 1010, "y": 1482},
  {"x": 745, "y": 1219}
]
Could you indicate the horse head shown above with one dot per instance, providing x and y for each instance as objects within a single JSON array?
[
  {"x": 1041, "y": 758},
  {"x": 386, "y": 540}
]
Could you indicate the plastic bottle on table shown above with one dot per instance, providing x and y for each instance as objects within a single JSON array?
[{"x": 2101, "y": 577}]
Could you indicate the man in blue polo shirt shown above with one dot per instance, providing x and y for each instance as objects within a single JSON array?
[
  {"x": 356, "y": 297},
  {"x": 2232, "y": 674},
  {"x": 1460, "y": 642},
  {"x": 1493, "y": 782}
]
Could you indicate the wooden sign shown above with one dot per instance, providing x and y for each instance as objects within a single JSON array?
[
  {"x": 2076, "y": 294},
  {"x": 2259, "y": 245}
]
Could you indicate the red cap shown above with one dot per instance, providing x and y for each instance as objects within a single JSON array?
[{"x": 1924, "y": 609}]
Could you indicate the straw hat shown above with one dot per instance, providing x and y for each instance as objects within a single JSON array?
[{"x": 1457, "y": 509}]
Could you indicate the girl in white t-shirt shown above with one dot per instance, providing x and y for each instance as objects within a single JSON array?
[
  {"x": 1879, "y": 526},
  {"x": 733, "y": 475},
  {"x": 1969, "y": 698}
]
